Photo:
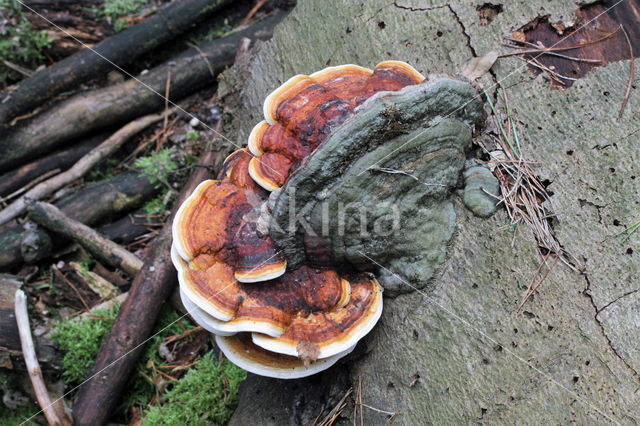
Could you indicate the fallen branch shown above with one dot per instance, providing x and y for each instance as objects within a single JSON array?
[
  {"x": 10, "y": 346},
  {"x": 104, "y": 250},
  {"x": 61, "y": 160},
  {"x": 121, "y": 48},
  {"x": 119, "y": 353},
  {"x": 118, "y": 300},
  {"x": 33, "y": 367},
  {"x": 82, "y": 167},
  {"x": 129, "y": 228},
  {"x": 95, "y": 203},
  {"x": 111, "y": 106}
]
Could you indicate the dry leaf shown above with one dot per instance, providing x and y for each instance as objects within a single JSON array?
[{"x": 479, "y": 66}]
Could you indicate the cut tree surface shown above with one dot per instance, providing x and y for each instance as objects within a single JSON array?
[{"x": 462, "y": 352}]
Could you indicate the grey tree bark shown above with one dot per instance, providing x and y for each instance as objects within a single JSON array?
[{"x": 460, "y": 351}]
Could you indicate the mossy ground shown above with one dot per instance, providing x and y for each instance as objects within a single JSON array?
[
  {"x": 80, "y": 341},
  {"x": 17, "y": 416},
  {"x": 208, "y": 392}
]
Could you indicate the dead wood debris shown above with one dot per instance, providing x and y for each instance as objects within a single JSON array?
[
  {"x": 54, "y": 417},
  {"x": 121, "y": 49},
  {"x": 98, "y": 396},
  {"x": 82, "y": 167},
  {"x": 105, "y": 250},
  {"x": 70, "y": 289}
]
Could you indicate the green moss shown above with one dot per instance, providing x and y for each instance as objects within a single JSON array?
[
  {"x": 19, "y": 415},
  {"x": 80, "y": 341},
  {"x": 140, "y": 389},
  {"x": 207, "y": 394},
  {"x": 114, "y": 10},
  {"x": 193, "y": 135},
  {"x": 157, "y": 167},
  {"x": 20, "y": 44},
  {"x": 155, "y": 206},
  {"x": 104, "y": 171}
]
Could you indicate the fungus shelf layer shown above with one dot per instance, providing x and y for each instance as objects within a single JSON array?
[
  {"x": 233, "y": 279},
  {"x": 301, "y": 114}
]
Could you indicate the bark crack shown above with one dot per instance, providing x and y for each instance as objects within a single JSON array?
[
  {"x": 616, "y": 299},
  {"x": 467, "y": 36},
  {"x": 419, "y": 9},
  {"x": 587, "y": 293},
  {"x": 464, "y": 31}
]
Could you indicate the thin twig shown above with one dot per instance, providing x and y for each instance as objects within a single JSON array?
[
  {"x": 539, "y": 282},
  {"x": 533, "y": 278},
  {"x": 553, "y": 75},
  {"x": 24, "y": 71},
  {"x": 31, "y": 184},
  {"x": 82, "y": 167},
  {"x": 360, "y": 400},
  {"x": 252, "y": 12},
  {"x": 558, "y": 49},
  {"x": 388, "y": 413},
  {"x": 167, "y": 89},
  {"x": 107, "y": 251},
  {"x": 559, "y": 55},
  {"x": 626, "y": 96},
  {"x": 118, "y": 300},
  {"x": 204, "y": 57},
  {"x": 70, "y": 284},
  {"x": 30, "y": 359},
  {"x": 182, "y": 335},
  {"x": 330, "y": 418}
]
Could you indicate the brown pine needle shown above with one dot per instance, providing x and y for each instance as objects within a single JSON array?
[
  {"x": 252, "y": 12},
  {"x": 626, "y": 96},
  {"x": 527, "y": 293},
  {"x": 360, "y": 398},
  {"x": 525, "y": 198},
  {"x": 332, "y": 416},
  {"x": 182, "y": 335},
  {"x": 73, "y": 287},
  {"x": 558, "y": 49},
  {"x": 539, "y": 282}
]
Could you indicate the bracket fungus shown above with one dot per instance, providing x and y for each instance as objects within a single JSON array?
[{"x": 282, "y": 299}]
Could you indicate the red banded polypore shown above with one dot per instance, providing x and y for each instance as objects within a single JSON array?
[{"x": 234, "y": 281}]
